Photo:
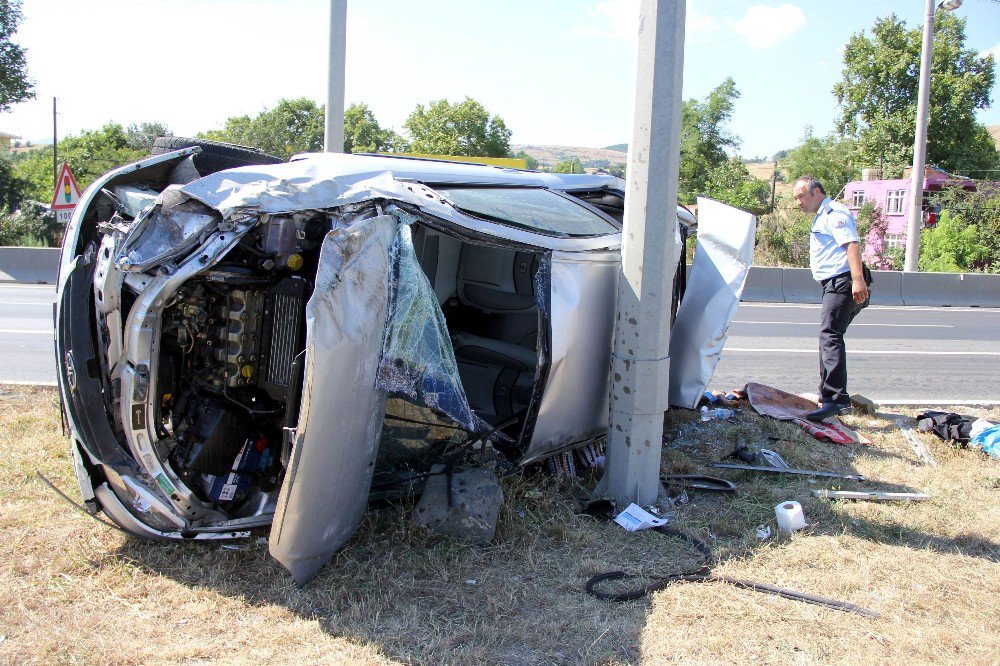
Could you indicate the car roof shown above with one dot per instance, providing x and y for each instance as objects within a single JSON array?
[{"x": 441, "y": 172}]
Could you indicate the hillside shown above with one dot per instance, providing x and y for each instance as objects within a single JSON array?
[
  {"x": 551, "y": 155},
  {"x": 995, "y": 133}
]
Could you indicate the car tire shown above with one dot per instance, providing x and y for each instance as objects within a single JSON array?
[{"x": 214, "y": 155}]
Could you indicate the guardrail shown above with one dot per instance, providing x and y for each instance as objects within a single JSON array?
[
  {"x": 796, "y": 285},
  {"x": 765, "y": 284},
  {"x": 29, "y": 265}
]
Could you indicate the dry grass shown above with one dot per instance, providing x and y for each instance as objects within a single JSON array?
[{"x": 74, "y": 591}]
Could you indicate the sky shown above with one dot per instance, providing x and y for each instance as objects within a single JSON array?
[{"x": 557, "y": 71}]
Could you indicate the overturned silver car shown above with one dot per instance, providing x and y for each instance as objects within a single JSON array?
[{"x": 228, "y": 342}]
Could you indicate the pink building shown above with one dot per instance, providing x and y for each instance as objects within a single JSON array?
[{"x": 892, "y": 196}]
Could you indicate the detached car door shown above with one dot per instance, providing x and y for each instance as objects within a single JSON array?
[{"x": 325, "y": 491}]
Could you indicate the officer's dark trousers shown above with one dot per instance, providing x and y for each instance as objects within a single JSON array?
[{"x": 839, "y": 310}]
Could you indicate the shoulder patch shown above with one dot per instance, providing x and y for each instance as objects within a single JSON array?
[{"x": 840, "y": 222}]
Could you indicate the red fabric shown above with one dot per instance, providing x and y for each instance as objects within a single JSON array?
[{"x": 778, "y": 404}]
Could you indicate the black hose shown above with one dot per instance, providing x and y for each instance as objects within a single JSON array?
[{"x": 702, "y": 575}]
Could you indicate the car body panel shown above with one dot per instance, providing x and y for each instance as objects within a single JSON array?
[
  {"x": 325, "y": 491},
  {"x": 574, "y": 406},
  {"x": 721, "y": 263}
]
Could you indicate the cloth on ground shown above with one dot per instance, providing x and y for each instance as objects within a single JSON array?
[
  {"x": 778, "y": 404},
  {"x": 949, "y": 426},
  {"x": 988, "y": 440}
]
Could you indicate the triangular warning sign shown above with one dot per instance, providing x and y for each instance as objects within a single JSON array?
[{"x": 67, "y": 193}]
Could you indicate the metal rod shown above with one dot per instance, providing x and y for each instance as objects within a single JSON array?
[{"x": 790, "y": 470}]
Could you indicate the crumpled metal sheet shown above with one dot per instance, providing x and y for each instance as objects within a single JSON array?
[
  {"x": 326, "y": 486},
  {"x": 721, "y": 263},
  {"x": 418, "y": 359}
]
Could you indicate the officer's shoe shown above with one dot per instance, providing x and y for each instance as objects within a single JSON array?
[{"x": 828, "y": 409}]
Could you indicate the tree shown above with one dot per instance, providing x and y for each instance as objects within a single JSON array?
[
  {"x": 704, "y": 138},
  {"x": 530, "y": 162},
  {"x": 465, "y": 128},
  {"x": 293, "y": 126},
  {"x": 829, "y": 159},
  {"x": 950, "y": 246},
  {"x": 89, "y": 155},
  {"x": 878, "y": 97},
  {"x": 141, "y": 136},
  {"x": 573, "y": 165},
  {"x": 15, "y": 86},
  {"x": 731, "y": 183},
  {"x": 363, "y": 134}
]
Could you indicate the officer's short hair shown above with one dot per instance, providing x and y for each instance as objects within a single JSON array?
[{"x": 812, "y": 182}]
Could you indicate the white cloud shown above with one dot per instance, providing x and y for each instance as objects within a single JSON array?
[
  {"x": 765, "y": 26},
  {"x": 619, "y": 19},
  {"x": 995, "y": 52}
]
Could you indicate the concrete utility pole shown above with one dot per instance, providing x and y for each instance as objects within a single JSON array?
[
  {"x": 916, "y": 209},
  {"x": 640, "y": 365},
  {"x": 333, "y": 136}
]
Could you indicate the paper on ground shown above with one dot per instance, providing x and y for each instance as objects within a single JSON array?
[{"x": 634, "y": 518}]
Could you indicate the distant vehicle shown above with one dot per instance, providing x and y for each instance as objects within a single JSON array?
[{"x": 228, "y": 339}]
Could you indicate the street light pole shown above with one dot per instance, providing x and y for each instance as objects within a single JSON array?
[
  {"x": 916, "y": 208},
  {"x": 333, "y": 135}
]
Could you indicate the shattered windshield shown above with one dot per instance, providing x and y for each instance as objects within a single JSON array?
[{"x": 535, "y": 209}]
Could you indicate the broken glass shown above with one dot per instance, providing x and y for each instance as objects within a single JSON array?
[{"x": 418, "y": 360}]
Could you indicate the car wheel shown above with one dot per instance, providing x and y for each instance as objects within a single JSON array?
[{"x": 214, "y": 155}]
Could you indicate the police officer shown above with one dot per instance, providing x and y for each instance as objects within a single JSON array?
[{"x": 835, "y": 261}]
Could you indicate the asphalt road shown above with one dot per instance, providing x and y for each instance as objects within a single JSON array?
[{"x": 922, "y": 355}]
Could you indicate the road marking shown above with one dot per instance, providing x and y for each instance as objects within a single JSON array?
[
  {"x": 851, "y": 352},
  {"x": 853, "y": 325},
  {"x": 892, "y": 308},
  {"x": 957, "y": 402},
  {"x": 24, "y": 330},
  {"x": 18, "y": 382},
  {"x": 47, "y": 304}
]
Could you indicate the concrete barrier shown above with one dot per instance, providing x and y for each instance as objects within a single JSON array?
[
  {"x": 763, "y": 285},
  {"x": 958, "y": 289},
  {"x": 887, "y": 288},
  {"x": 29, "y": 265},
  {"x": 798, "y": 286}
]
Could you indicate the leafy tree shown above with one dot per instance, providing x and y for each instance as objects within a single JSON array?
[
  {"x": 293, "y": 126},
  {"x": 951, "y": 246},
  {"x": 573, "y": 165},
  {"x": 15, "y": 86},
  {"x": 531, "y": 162},
  {"x": 89, "y": 155},
  {"x": 11, "y": 187},
  {"x": 731, "y": 183},
  {"x": 878, "y": 97},
  {"x": 829, "y": 159},
  {"x": 31, "y": 225},
  {"x": 141, "y": 136},
  {"x": 981, "y": 210},
  {"x": 363, "y": 134},
  {"x": 704, "y": 138},
  {"x": 465, "y": 128}
]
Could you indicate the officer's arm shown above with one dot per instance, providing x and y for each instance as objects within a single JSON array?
[{"x": 859, "y": 288}]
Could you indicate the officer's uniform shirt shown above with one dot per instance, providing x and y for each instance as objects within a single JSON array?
[{"x": 832, "y": 229}]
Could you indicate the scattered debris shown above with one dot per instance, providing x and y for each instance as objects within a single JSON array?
[
  {"x": 711, "y": 484},
  {"x": 870, "y": 495},
  {"x": 635, "y": 518},
  {"x": 763, "y": 532},
  {"x": 918, "y": 447},
  {"x": 464, "y": 503},
  {"x": 789, "y": 516},
  {"x": 784, "y": 406},
  {"x": 790, "y": 470},
  {"x": 716, "y": 413},
  {"x": 863, "y": 405}
]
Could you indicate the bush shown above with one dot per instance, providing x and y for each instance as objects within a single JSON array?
[
  {"x": 783, "y": 238},
  {"x": 31, "y": 225}
]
